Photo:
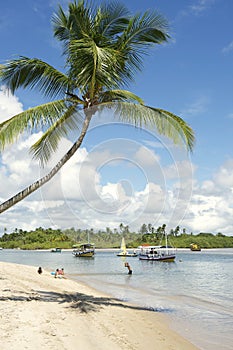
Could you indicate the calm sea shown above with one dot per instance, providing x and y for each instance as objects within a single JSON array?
[{"x": 195, "y": 291}]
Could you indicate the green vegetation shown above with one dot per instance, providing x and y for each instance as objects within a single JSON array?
[{"x": 48, "y": 238}]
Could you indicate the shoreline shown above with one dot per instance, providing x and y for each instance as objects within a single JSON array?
[{"x": 65, "y": 314}]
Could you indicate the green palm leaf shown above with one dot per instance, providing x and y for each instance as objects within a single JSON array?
[
  {"x": 34, "y": 73},
  {"x": 71, "y": 120},
  {"x": 119, "y": 95},
  {"x": 114, "y": 20},
  {"x": 30, "y": 120},
  {"x": 166, "y": 123},
  {"x": 142, "y": 31},
  {"x": 99, "y": 66}
]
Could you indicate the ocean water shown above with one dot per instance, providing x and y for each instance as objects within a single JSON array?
[{"x": 195, "y": 291}]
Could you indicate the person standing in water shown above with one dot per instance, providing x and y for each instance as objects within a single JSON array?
[{"x": 129, "y": 268}]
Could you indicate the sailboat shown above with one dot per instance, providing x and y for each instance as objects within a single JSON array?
[
  {"x": 124, "y": 252},
  {"x": 157, "y": 253}
]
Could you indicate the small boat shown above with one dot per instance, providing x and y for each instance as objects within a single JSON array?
[
  {"x": 84, "y": 250},
  {"x": 195, "y": 247},
  {"x": 124, "y": 252},
  {"x": 157, "y": 253},
  {"x": 56, "y": 250}
]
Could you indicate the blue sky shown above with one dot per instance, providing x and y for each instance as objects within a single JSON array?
[{"x": 122, "y": 174}]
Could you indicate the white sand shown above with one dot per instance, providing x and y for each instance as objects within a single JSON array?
[{"x": 42, "y": 312}]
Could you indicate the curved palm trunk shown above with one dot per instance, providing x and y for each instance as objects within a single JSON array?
[{"x": 32, "y": 188}]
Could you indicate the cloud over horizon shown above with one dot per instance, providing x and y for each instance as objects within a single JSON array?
[{"x": 118, "y": 180}]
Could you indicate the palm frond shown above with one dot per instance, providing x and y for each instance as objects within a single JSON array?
[
  {"x": 104, "y": 45},
  {"x": 114, "y": 20},
  {"x": 30, "y": 120},
  {"x": 166, "y": 123},
  {"x": 61, "y": 25},
  {"x": 97, "y": 65},
  {"x": 141, "y": 32},
  {"x": 174, "y": 127},
  {"x": 34, "y": 73},
  {"x": 73, "y": 25},
  {"x": 48, "y": 143},
  {"x": 119, "y": 95}
]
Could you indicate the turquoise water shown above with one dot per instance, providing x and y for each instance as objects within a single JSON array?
[{"x": 195, "y": 291}]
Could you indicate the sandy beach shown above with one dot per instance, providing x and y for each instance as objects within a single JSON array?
[{"x": 43, "y": 312}]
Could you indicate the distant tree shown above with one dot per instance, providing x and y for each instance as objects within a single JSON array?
[
  {"x": 219, "y": 234},
  {"x": 121, "y": 226},
  {"x": 143, "y": 229},
  {"x": 163, "y": 228},
  {"x": 177, "y": 230},
  {"x": 108, "y": 230},
  {"x": 150, "y": 228}
]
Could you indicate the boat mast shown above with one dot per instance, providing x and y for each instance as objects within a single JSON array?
[
  {"x": 166, "y": 240},
  {"x": 165, "y": 234}
]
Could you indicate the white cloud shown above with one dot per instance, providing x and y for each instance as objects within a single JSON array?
[
  {"x": 200, "y": 6},
  {"x": 17, "y": 168},
  {"x": 204, "y": 207},
  {"x": 228, "y": 48},
  {"x": 146, "y": 156},
  {"x": 197, "y": 107},
  {"x": 179, "y": 169},
  {"x": 77, "y": 196},
  {"x": 197, "y": 8},
  {"x": 224, "y": 177},
  {"x": 9, "y": 105},
  {"x": 211, "y": 205},
  {"x": 210, "y": 214},
  {"x": 153, "y": 144}
]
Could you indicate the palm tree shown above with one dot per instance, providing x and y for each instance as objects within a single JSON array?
[{"x": 103, "y": 49}]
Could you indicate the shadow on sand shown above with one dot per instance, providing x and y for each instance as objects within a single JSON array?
[{"x": 82, "y": 302}]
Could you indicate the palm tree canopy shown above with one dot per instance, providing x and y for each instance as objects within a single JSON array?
[{"x": 103, "y": 48}]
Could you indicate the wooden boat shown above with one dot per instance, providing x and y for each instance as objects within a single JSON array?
[
  {"x": 123, "y": 252},
  {"x": 84, "y": 250},
  {"x": 56, "y": 250},
  {"x": 157, "y": 253},
  {"x": 195, "y": 247}
]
